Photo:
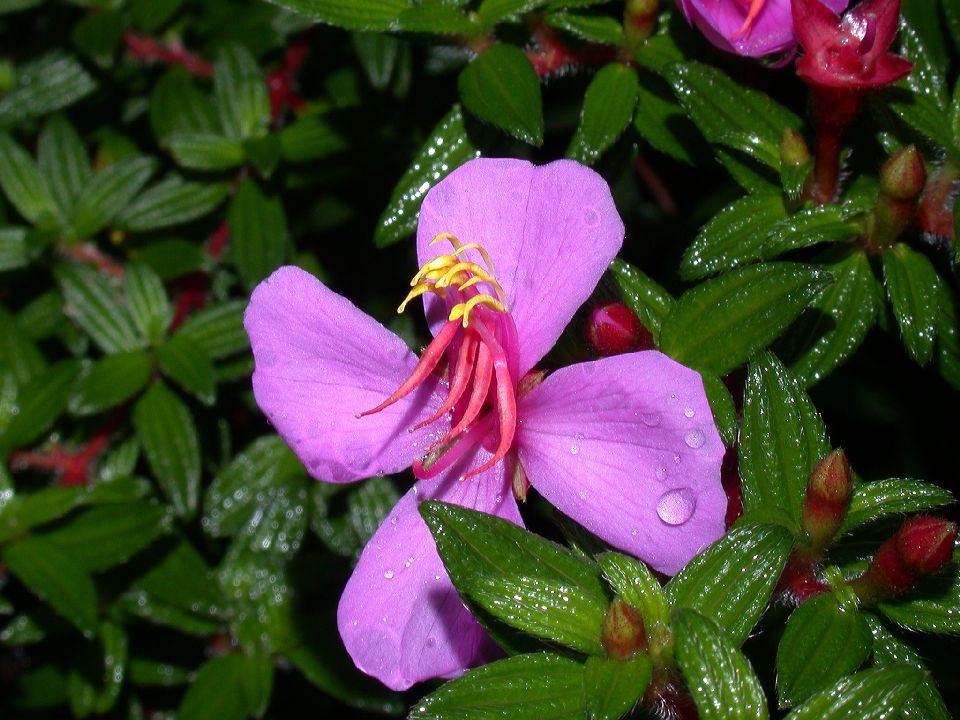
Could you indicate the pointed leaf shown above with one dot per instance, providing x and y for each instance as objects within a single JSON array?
[
  {"x": 110, "y": 381},
  {"x": 350, "y": 14},
  {"x": 501, "y": 88},
  {"x": 63, "y": 161},
  {"x": 46, "y": 84},
  {"x": 147, "y": 298},
  {"x": 241, "y": 96},
  {"x": 205, "y": 151},
  {"x": 218, "y": 330},
  {"x": 258, "y": 233},
  {"x": 108, "y": 194},
  {"x": 933, "y": 607},
  {"x": 185, "y": 362},
  {"x": 94, "y": 304},
  {"x": 867, "y": 695},
  {"x": 614, "y": 687},
  {"x": 912, "y": 284},
  {"x": 882, "y": 498},
  {"x": 637, "y": 585},
  {"x": 607, "y": 110},
  {"x": 25, "y": 188},
  {"x": 171, "y": 202},
  {"x": 177, "y": 106},
  {"x": 651, "y": 303},
  {"x": 41, "y": 401}
]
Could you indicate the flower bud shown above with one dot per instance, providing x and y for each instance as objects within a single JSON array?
[
  {"x": 923, "y": 546},
  {"x": 639, "y": 20},
  {"x": 827, "y": 498},
  {"x": 902, "y": 176},
  {"x": 793, "y": 149},
  {"x": 623, "y": 634},
  {"x": 613, "y": 328}
]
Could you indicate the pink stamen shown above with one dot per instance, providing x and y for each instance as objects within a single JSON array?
[
  {"x": 428, "y": 361},
  {"x": 448, "y": 456},
  {"x": 481, "y": 384},
  {"x": 458, "y": 383},
  {"x": 756, "y": 6}
]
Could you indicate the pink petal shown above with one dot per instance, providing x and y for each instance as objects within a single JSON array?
[
  {"x": 816, "y": 25},
  {"x": 883, "y": 15},
  {"x": 551, "y": 232},
  {"x": 400, "y": 617},
  {"x": 627, "y": 447},
  {"x": 319, "y": 361}
]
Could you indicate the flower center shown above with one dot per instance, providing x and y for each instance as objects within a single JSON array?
[{"x": 479, "y": 342}]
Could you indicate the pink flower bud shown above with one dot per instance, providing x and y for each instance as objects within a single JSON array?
[
  {"x": 623, "y": 634},
  {"x": 902, "y": 176},
  {"x": 827, "y": 498},
  {"x": 613, "y": 328}
]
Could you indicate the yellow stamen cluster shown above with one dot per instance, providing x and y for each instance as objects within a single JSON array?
[{"x": 449, "y": 270}]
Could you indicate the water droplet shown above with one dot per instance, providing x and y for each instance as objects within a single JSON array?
[
  {"x": 694, "y": 438},
  {"x": 393, "y": 520},
  {"x": 676, "y": 459},
  {"x": 582, "y": 494},
  {"x": 634, "y": 532},
  {"x": 661, "y": 473},
  {"x": 689, "y": 412},
  {"x": 578, "y": 437},
  {"x": 574, "y": 449},
  {"x": 676, "y": 506},
  {"x": 651, "y": 419},
  {"x": 388, "y": 574}
]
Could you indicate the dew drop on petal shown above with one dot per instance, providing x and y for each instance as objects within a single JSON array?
[
  {"x": 676, "y": 506},
  {"x": 661, "y": 473},
  {"x": 694, "y": 438},
  {"x": 574, "y": 449},
  {"x": 651, "y": 419},
  {"x": 689, "y": 412},
  {"x": 388, "y": 574}
]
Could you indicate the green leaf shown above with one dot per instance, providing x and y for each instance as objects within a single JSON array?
[
  {"x": 438, "y": 19},
  {"x": 733, "y": 579},
  {"x": 108, "y": 535},
  {"x": 723, "y": 408},
  {"x": 866, "y": 695},
  {"x": 240, "y": 92},
  {"x": 923, "y": 113},
  {"x": 98, "y": 35},
  {"x": 57, "y": 578},
  {"x": 109, "y": 382},
  {"x": 729, "y": 114},
  {"x": 172, "y": 202},
  {"x": 933, "y": 607},
  {"x": 843, "y": 314},
  {"x": 723, "y": 685},
  {"x": 592, "y": 28},
  {"x": 63, "y": 161},
  {"x": 24, "y": 511},
  {"x": 150, "y": 15},
  {"x": 782, "y": 438},
  {"x": 607, "y": 110},
  {"x": 152, "y": 673},
  {"x": 651, "y": 303},
  {"x": 493, "y": 11},
  {"x": 614, "y": 687},
  {"x": 821, "y": 223},
  {"x": 172, "y": 258},
  {"x": 184, "y": 361},
  {"x": 734, "y": 236},
  {"x": 108, "y": 194},
  {"x": 525, "y": 687},
  {"x": 96, "y": 306},
  {"x": 527, "y": 582},
  {"x": 44, "y": 85},
  {"x": 447, "y": 148},
  {"x": 148, "y": 302},
  {"x": 205, "y": 151},
  {"x": 500, "y": 87},
  {"x": 662, "y": 122},
  {"x": 823, "y": 642},
  {"x": 947, "y": 359},
  {"x": 41, "y": 401},
  {"x": 258, "y": 233},
  {"x": 169, "y": 438},
  {"x": 912, "y": 285},
  {"x": 263, "y": 153},
  {"x": 14, "y": 251},
  {"x": 636, "y": 584},
  {"x": 17, "y": 351},
  {"x": 378, "y": 55},
  {"x": 881, "y": 498},
  {"x": 345, "y": 527},
  {"x": 178, "y": 107},
  {"x": 218, "y": 330},
  {"x": 219, "y": 691},
  {"x": 719, "y": 324},
  {"x": 922, "y": 44},
  {"x": 311, "y": 137},
  {"x": 25, "y": 188},
  {"x": 377, "y": 15},
  {"x": 888, "y": 651}
]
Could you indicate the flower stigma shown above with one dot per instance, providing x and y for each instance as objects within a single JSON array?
[{"x": 479, "y": 342}]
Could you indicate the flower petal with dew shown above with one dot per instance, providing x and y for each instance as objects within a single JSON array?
[{"x": 508, "y": 252}]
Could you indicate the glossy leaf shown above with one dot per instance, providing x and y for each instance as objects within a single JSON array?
[
  {"x": 40, "y": 403},
  {"x": 494, "y": 11},
  {"x": 55, "y": 576},
  {"x": 607, "y": 110},
  {"x": 171, "y": 202},
  {"x": 178, "y": 107},
  {"x": 732, "y": 581},
  {"x": 218, "y": 330},
  {"x": 63, "y": 160},
  {"x": 21, "y": 512},
  {"x": 614, "y": 687},
  {"x": 781, "y": 439},
  {"x": 48, "y": 83},
  {"x": 350, "y": 14},
  {"x": 219, "y": 691},
  {"x": 593, "y": 28},
  {"x": 723, "y": 685},
  {"x": 109, "y": 382},
  {"x": 867, "y": 695},
  {"x": 148, "y": 302},
  {"x": 25, "y": 187},
  {"x": 258, "y": 233},
  {"x": 824, "y": 641},
  {"x": 881, "y": 498},
  {"x": 514, "y": 575},
  {"x": 446, "y": 149},
  {"x": 501, "y": 88},
  {"x": 933, "y": 607},
  {"x": 642, "y": 294},
  {"x": 719, "y": 324},
  {"x": 108, "y": 194},
  {"x": 525, "y": 687},
  {"x": 93, "y": 302},
  {"x": 311, "y": 137},
  {"x": 184, "y": 361},
  {"x": 205, "y": 151},
  {"x": 240, "y": 92},
  {"x": 636, "y": 584},
  {"x": 169, "y": 438},
  {"x": 912, "y": 285}
]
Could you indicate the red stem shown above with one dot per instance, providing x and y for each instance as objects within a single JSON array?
[
  {"x": 148, "y": 49},
  {"x": 90, "y": 253},
  {"x": 552, "y": 55}
]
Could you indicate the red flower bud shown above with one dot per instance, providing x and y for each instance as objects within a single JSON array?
[
  {"x": 902, "y": 176},
  {"x": 639, "y": 20},
  {"x": 923, "y": 546},
  {"x": 827, "y": 498},
  {"x": 613, "y": 328},
  {"x": 623, "y": 634}
]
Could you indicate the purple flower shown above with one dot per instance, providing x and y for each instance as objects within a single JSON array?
[
  {"x": 625, "y": 445},
  {"x": 748, "y": 27}
]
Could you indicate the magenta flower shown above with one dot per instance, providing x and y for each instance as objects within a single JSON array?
[
  {"x": 748, "y": 27},
  {"x": 625, "y": 445}
]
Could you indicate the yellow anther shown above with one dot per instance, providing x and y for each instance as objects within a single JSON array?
[
  {"x": 492, "y": 281},
  {"x": 441, "y": 262},
  {"x": 463, "y": 310},
  {"x": 458, "y": 269},
  {"x": 483, "y": 253},
  {"x": 416, "y": 292}
]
